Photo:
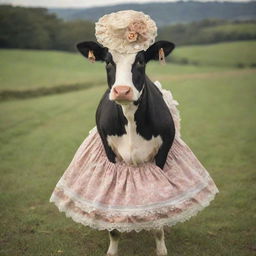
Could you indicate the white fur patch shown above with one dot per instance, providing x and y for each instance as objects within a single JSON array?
[
  {"x": 113, "y": 247},
  {"x": 124, "y": 72},
  {"x": 131, "y": 147}
]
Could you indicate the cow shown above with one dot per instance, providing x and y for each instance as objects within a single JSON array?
[{"x": 132, "y": 118}]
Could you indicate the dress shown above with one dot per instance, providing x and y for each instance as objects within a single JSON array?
[{"x": 104, "y": 195}]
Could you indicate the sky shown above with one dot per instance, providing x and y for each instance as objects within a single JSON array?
[{"x": 83, "y": 3}]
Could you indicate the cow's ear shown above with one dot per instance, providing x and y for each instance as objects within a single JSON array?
[
  {"x": 92, "y": 50},
  {"x": 152, "y": 53}
]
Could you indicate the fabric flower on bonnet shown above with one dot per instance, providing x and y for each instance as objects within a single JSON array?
[{"x": 126, "y": 31}]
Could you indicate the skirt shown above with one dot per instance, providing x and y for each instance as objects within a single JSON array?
[{"x": 103, "y": 195}]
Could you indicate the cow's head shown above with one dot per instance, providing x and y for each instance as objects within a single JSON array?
[{"x": 125, "y": 72}]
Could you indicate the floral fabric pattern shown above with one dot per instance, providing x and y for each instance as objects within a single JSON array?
[{"x": 104, "y": 195}]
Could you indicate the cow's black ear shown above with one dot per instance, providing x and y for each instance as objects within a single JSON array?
[
  {"x": 92, "y": 50},
  {"x": 152, "y": 53}
]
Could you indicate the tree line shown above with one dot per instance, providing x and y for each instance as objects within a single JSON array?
[
  {"x": 36, "y": 28},
  {"x": 209, "y": 31}
]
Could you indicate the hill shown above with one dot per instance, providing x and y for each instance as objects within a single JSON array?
[
  {"x": 235, "y": 54},
  {"x": 36, "y": 28},
  {"x": 53, "y": 72},
  {"x": 208, "y": 32},
  {"x": 172, "y": 12},
  {"x": 37, "y": 69}
]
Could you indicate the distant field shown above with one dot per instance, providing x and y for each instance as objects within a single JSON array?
[
  {"x": 25, "y": 69},
  {"x": 28, "y": 69},
  {"x": 235, "y": 54},
  {"x": 248, "y": 29},
  {"x": 39, "y": 136}
]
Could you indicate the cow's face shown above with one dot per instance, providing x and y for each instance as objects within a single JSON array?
[
  {"x": 126, "y": 76},
  {"x": 125, "y": 72}
]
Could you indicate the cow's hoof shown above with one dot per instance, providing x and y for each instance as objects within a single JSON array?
[{"x": 162, "y": 252}]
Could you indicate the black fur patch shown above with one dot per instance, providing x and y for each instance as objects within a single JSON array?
[
  {"x": 111, "y": 69},
  {"x": 152, "y": 117}
]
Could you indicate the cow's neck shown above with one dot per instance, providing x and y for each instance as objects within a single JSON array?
[
  {"x": 131, "y": 146},
  {"x": 129, "y": 111},
  {"x": 140, "y": 141}
]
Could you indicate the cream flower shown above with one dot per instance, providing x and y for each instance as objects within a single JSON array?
[
  {"x": 131, "y": 36},
  {"x": 126, "y": 31}
]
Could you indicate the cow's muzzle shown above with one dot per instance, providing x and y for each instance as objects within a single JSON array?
[{"x": 122, "y": 93}]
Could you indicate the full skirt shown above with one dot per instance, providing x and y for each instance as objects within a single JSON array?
[{"x": 104, "y": 195}]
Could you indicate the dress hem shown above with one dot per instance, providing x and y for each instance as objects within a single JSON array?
[
  {"x": 138, "y": 211},
  {"x": 128, "y": 227}
]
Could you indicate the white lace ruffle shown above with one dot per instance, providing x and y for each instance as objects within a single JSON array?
[
  {"x": 139, "y": 211},
  {"x": 172, "y": 105},
  {"x": 144, "y": 211},
  {"x": 128, "y": 227}
]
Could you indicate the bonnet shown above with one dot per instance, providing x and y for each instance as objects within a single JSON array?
[{"x": 126, "y": 31}]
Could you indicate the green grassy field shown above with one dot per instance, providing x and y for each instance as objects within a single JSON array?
[
  {"x": 28, "y": 69},
  {"x": 39, "y": 137},
  {"x": 236, "y": 54}
]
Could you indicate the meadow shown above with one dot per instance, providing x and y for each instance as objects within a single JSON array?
[
  {"x": 235, "y": 54},
  {"x": 40, "y": 135}
]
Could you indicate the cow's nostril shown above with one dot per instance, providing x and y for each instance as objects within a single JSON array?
[
  {"x": 115, "y": 91},
  {"x": 127, "y": 92},
  {"x": 122, "y": 92}
]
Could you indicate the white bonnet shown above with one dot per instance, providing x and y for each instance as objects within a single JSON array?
[{"x": 126, "y": 31}]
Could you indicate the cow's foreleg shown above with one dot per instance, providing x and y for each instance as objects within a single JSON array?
[
  {"x": 114, "y": 236},
  {"x": 161, "y": 249}
]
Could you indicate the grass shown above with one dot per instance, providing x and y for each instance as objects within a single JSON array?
[
  {"x": 236, "y": 54},
  {"x": 39, "y": 137},
  {"x": 29, "y": 69},
  {"x": 32, "y": 70}
]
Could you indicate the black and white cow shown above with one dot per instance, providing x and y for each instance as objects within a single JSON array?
[{"x": 132, "y": 118}]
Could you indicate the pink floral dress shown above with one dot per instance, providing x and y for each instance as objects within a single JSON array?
[{"x": 104, "y": 195}]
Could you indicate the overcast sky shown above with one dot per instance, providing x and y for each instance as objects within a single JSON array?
[{"x": 81, "y": 3}]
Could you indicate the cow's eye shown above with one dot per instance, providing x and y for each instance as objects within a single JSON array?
[
  {"x": 140, "y": 63},
  {"x": 109, "y": 65}
]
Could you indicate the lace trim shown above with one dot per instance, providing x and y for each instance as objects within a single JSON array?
[
  {"x": 127, "y": 227},
  {"x": 112, "y": 30},
  {"x": 172, "y": 105},
  {"x": 142, "y": 211}
]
